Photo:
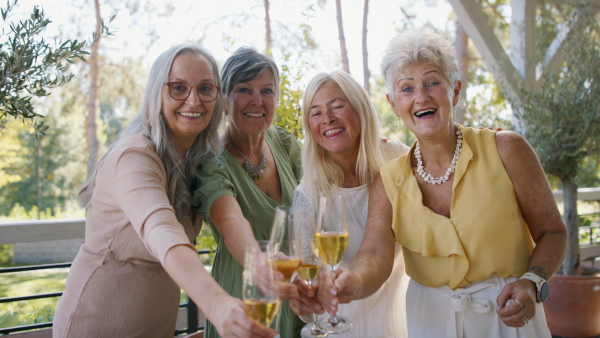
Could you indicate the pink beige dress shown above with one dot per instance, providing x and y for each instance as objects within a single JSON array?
[{"x": 117, "y": 286}]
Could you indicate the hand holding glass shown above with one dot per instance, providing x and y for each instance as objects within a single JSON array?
[
  {"x": 332, "y": 241},
  {"x": 310, "y": 266},
  {"x": 259, "y": 288}
]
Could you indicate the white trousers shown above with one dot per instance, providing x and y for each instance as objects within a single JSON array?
[{"x": 468, "y": 312}]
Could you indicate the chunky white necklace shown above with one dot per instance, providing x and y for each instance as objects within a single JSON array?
[{"x": 439, "y": 180}]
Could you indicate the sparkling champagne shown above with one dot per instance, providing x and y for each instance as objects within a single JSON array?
[
  {"x": 332, "y": 246},
  {"x": 287, "y": 267},
  {"x": 309, "y": 271},
  {"x": 262, "y": 310}
]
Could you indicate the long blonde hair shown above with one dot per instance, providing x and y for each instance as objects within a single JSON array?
[
  {"x": 320, "y": 171},
  {"x": 150, "y": 121}
]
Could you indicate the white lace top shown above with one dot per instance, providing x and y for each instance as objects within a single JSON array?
[{"x": 383, "y": 314}]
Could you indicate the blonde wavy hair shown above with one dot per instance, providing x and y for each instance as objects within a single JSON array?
[{"x": 320, "y": 172}]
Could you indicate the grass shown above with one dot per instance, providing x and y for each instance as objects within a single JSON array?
[{"x": 34, "y": 311}]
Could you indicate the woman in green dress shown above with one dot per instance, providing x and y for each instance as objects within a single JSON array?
[{"x": 257, "y": 171}]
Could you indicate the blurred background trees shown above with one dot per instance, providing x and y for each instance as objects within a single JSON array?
[
  {"x": 45, "y": 174},
  {"x": 561, "y": 120}
]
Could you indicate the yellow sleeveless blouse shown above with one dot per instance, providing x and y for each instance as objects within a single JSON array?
[{"x": 486, "y": 232}]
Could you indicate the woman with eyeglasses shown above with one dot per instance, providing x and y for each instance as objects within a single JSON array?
[
  {"x": 258, "y": 170},
  {"x": 126, "y": 278}
]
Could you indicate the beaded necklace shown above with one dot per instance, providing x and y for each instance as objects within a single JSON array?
[
  {"x": 439, "y": 180},
  {"x": 255, "y": 173}
]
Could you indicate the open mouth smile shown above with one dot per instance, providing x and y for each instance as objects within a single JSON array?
[
  {"x": 425, "y": 113},
  {"x": 254, "y": 114},
  {"x": 334, "y": 131}
]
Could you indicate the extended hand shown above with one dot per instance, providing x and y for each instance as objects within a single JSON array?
[
  {"x": 307, "y": 301},
  {"x": 343, "y": 289},
  {"x": 234, "y": 321}
]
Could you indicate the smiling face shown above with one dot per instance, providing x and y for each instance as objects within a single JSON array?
[
  {"x": 334, "y": 123},
  {"x": 252, "y": 104},
  {"x": 187, "y": 118},
  {"x": 424, "y": 98}
]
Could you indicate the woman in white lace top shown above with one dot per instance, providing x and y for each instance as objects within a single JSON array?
[{"x": 343, "y": 151}]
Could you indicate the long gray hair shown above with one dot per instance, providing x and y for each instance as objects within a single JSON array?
[{"x": 150, "y": 121}]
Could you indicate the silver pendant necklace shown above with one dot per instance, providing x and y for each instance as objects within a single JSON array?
[
  {"x": 255, "y": 173},
  {"x": 439, "y": 180}
]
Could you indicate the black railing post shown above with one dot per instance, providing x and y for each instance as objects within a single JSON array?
[{"x": 192, "y": 316}]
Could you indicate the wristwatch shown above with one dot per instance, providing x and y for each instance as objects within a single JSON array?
[{"x": 540, "y": 284}]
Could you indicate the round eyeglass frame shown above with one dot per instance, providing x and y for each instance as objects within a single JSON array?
[{"x": 191, "y": 87}]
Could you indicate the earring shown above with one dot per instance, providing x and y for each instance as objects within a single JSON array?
[
  {"x": 453, "y": 114},
  {"x": 399, "y": 123}
]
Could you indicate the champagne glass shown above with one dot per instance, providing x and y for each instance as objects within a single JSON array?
[
  {"x": 284, "y": 237},
  {"x": 332, "y": 241},
  {"x": 259, "y": 288},
  {"x": 310, "y": 266}
]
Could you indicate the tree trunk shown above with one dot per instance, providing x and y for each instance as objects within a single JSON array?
[
  {"x": 343, "y": 50},
  {"x": 268, "y": 28},
  {"x": 366, "y": 72},
  {"x": 571, "y": 264},
  {"x": 38, "y": 165},
  {"x": 93, "y": 102},
  {"x": 462, "y": 54}
]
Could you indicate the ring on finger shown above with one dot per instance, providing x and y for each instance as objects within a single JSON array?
[
  {"x": 525, "y": 320},
  {"x": 520, "y": 304}
]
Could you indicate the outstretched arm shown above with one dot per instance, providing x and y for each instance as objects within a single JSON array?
[
  {"x": 228, "y": 218},
  {"x": 224, "y": 311},
  {"x": 374, "y": 261}
]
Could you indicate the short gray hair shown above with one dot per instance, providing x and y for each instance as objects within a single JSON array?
[
  {"x": 416, "y": 46},
  {"x": 246, "y": 64}
]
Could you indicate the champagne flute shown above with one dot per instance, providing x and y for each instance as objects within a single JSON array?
[
  {"x": 309, "y": 268},
  {"x": 259, "y": 288},
  {"x": 332, "y": 241},
  {"x": 284, "y": 237}
]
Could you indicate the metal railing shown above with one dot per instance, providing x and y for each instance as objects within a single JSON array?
[{"x": 38, "y": 231}]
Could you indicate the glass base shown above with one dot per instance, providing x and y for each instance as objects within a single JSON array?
[
  {"x": 313, "y": 330},
  {"x": 335, "y": 324}
]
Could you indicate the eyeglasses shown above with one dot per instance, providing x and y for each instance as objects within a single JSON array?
[{"x": 180, "y": 91}]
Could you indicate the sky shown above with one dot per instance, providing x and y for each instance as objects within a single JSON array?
[{"x": 226, "y": 25}]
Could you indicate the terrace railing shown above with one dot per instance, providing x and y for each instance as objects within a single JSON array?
[{"x": 52, "y": 230}]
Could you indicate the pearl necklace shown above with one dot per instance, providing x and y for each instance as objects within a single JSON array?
[
  {"x": 255, "y": 173},
  {"x": 439, "y": 180}
]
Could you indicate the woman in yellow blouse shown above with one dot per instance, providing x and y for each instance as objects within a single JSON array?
[{"x": 472, "y": 209}]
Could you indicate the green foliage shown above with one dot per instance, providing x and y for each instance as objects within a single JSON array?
[
  {"x": 562, "y": 120},
  {"x": 6, "y": 254},
  {"x": 30, "y": 66},
  {"x": 289, "y": 113},
  {"x": 206, "y": 241},
  {"x": 29, "y": 283}
]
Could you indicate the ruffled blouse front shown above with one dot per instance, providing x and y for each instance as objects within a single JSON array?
[{"x": 486, "y": 232}]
